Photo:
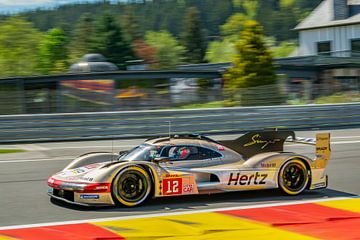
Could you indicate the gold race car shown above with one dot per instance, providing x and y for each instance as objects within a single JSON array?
[{"x": 192, "y": 164}]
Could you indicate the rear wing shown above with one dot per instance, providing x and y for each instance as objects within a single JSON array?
[
  {"x": 253, "y": 143},
  {"x": 322, "y": 144}
]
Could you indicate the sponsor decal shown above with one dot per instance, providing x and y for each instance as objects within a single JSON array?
[
  {"x": 72, "y": 186},
  {"x": 253, "y": 179},
  {"x": 321, "y": 148},
  {"x": 172, "y": 175},
  {"x": 256, "y": 139},
  {"x": 89, "y": 196},
  {"x": 319, "y": 185},
  {"x": 75, "y": 171},
  {"x": 188, "y": 188},
  {"x": 268, "y": 165},
  {"x": 172, "y": 186},
  {"x": 92, "y": 166},
  {"x": 88, "y": 179}
]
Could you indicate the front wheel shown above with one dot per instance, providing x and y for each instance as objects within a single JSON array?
[
  {"x": 131, "y": 186},
  {"x": 293, "y": 177}
]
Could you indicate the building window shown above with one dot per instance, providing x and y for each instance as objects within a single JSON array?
[
  {"x": 355, "y": 46},
  {"x": 324, "y": 48}
]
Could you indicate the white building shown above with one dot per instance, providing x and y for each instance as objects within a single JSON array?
[
  {"x": 332, "y": 28},
  {"x": 328, "y": 58}
]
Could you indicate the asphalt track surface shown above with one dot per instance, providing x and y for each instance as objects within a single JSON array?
[{"x": 23, "y": 198}]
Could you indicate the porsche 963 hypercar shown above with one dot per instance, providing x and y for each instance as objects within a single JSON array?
[{"x": 192, "y": 164}]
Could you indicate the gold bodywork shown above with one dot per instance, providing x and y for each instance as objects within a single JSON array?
[{"x": 230, "y": 172}]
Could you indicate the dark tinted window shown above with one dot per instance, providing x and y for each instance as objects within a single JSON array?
[
  {"x": 355, "y": 45},
  {"x": 205, "y": 153},
  {"x": 324, "y": 47},
  {"x": 189, "y": 153}
]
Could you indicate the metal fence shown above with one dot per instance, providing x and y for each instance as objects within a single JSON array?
[{"x": 127, "y": 124}]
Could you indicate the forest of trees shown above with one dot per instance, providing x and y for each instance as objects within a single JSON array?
[
  {"x": 164, "y": 33},
  {"x": 276, "y": 16}
]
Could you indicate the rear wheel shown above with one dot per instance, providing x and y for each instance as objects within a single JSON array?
[
  {"x": 293, "y": 177},
  {"x": 131, "y": 186}
]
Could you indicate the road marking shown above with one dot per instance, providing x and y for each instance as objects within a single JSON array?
[
  {"x": 175, "y": 213},
  {"x": 32, "y": 147},
  {"x": 345, "y": 137},
  {"x": 35, "y": 160},
  {"x": 80, "y": 147}
]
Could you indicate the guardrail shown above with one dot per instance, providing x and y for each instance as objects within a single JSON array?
[{"x": 129, "y": 124}]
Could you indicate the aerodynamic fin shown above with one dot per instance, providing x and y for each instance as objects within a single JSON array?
[
  {"x": 253, "y": 143},
  {"x": 323, "y": 149}
]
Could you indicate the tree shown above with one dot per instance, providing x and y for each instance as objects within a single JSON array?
[
  {"x": 193, "y": 37},
  {"x": 233, "y": 26},
  {"x": 131, "y": 26},
  {"x": 220, "y": 51},
  {"x": 224, "y": 50},
  {"x": 169, "y": 53},
  {"x": 145, "y": 52},
  {"x": 253, "y": 67},
  {"x": 83, "y": 37},
  {"x": 110, "y": 42},
  {"x": 19, "y": 42},
  {"x": 53, "y": 52}
]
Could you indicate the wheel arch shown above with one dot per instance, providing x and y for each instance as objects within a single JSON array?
[
  {"x": 148, "y": 169},
  {"x": 304, "y": 160}
]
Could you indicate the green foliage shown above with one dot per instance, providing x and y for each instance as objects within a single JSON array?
[
  {"x": 131, "y": 26},
  {"x": 19, "y": 42},
  {"x": 342, "y": 97},
  {"x": 193, "y": 37},
  {"x": 251, "y": 7},
  {"x": 169, "y": 15},
  {"x": 233, "y": 26},
  {"x": 169, "y": 52},
  {"x": 220, "y": 51},
  {"x": 109, "y": 41},
  {"x": 284, "y": 49},
  {"x": 253, "y": 64},
  {"x": 53, "y": 52},
  {"x": 83, "y": 37}
]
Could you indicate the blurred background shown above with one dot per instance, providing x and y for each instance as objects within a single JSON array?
[{"x": 85, "y": 56}]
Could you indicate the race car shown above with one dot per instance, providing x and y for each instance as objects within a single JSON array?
[{"x": 192, "y": 164}]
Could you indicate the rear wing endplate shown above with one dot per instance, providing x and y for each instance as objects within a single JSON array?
[{"x": 322, "y": 144}]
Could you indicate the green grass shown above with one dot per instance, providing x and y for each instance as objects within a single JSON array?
[
  {"x": 215, "y": 104},
  {"x": 339, "y": 98},
  {"x": 4, "y": 151}
]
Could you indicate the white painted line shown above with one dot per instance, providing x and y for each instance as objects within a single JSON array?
[
  {"x": 345, "y": 142},
  {"x": 174, "y": 213},
  {"x": 32, "y": 147},
  {"x": 81, "y": 147},
  {"x": 345, "y": 137},
  {"x": 36, "y": 160}
]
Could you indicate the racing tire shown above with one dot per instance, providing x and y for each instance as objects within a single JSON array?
[
  {"x": 293, "y": 177},
  {"x": 131, "y": 186}
]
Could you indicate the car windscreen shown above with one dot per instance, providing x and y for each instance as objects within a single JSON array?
[{"x": 143, "y": 152}]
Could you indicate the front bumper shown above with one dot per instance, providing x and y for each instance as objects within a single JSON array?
[
  {"x": 85, "y": 194},
  {"x": 77, "y": 203}
]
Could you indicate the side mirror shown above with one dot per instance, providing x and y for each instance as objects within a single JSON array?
[{"x": 162, "y": 160}]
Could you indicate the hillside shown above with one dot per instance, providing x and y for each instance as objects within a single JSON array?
[{"x": 277, "y": 16}]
